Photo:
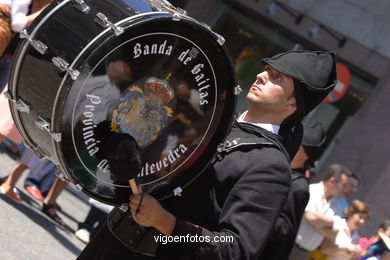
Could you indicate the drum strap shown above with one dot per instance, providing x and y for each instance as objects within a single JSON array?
[
  {"x": 244, "y": 143},
  {"x": 245, "y": 137},
  {"x": 135, "y": 237},
  {"x": 296, "y": 175}
]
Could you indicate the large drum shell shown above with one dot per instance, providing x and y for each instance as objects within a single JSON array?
[{"x": 49, "y": 92}]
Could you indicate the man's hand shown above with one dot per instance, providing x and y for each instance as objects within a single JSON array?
[{"x": 151, "y": 213}]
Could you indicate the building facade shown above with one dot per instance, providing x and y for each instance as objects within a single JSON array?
[{"x": 356, "y": 114}]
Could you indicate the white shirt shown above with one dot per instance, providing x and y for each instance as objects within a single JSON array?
[
  {"x": 308, "y": 236},
  {"x": 19, "y": 10},
  {"x": 269, "y": 127}
]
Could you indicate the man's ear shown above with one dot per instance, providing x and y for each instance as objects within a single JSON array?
[{"x": 291, "y": 105}]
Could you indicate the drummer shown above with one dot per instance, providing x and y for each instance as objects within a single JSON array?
[{"x": 230, "y": 210}]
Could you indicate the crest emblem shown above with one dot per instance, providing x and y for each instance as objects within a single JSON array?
[{"x": 142, "y": 113}]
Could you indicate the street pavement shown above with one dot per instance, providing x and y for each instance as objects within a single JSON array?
[{"x": 26, "y": 233}]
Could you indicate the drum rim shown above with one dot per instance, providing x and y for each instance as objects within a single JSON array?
[{"x": 56, "y": 155}]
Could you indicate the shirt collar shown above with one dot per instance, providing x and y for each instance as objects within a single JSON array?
[{"x": 269, "y": 127}]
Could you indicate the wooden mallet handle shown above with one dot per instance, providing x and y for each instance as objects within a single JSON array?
[{"x": 134, "y": 187}]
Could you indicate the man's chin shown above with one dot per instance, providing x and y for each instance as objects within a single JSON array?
[{"x": 251, "y": 97}]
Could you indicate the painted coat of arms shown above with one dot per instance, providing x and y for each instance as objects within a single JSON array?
[{"x": 143, "y": 113}]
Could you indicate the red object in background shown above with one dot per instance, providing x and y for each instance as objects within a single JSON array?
[{"x": 343, "y": 81}]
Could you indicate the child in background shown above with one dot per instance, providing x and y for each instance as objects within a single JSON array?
[{"x": 345, "y": 246}]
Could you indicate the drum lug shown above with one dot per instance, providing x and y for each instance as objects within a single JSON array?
[
  {"x": 81, "y": 6},
  {"x": 220, "y": 39},
  {"x": 62, "y": 175},
  {"x": 103, "y": 21},
  {"x": 64, "y": 66},
  {"x": 37, "y": 45},
  {"x": 44, "y": 125},
  {"x": 124, "y": 207},
  {"x": 20, "y": 105},
  {"x": 176, "y": 17},
  {"x": 177, "y": 191},
  {"x": 76, "y": 187},
  {"x": 237, "y": 90}
]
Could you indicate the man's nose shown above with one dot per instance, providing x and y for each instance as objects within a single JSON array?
[{"x": 262, "y": 77}]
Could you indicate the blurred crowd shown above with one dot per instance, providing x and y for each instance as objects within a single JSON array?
[{"x": 331, "y": 222}]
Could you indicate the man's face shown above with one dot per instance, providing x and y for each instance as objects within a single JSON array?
[
  {"x": 273, "y": 92},
  {"x": 341, "y": 186},
  {"x": 352, "y": 186}
]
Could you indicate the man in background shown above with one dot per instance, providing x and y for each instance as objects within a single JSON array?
[
  {"x": 319, "y": 216},
  {"x": 342, "y": 203}
]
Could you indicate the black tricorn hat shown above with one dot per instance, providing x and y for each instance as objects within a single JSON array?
[
  {"x": 314, "y": 74},
  {"x": 314, "y": 136},
  {"x": 313, "y": 140}
]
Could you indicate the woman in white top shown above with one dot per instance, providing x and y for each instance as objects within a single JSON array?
[{"x": 345, "y": 245}]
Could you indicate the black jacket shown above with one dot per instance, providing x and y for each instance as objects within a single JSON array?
[
  {"x": 240, "y": 196},
  {"x": 286, "y": 228}
]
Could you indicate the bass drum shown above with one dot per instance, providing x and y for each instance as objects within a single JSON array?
[{"x": 112, "y": 90}]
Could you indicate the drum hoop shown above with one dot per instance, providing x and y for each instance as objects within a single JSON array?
[
  {"x": 23, "y": 49},
  {"x": 206, "y": 132},
  {"x": 14, "y": 77}
]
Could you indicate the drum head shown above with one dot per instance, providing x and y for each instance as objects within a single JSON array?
[{"x": 151, "y": 104}]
